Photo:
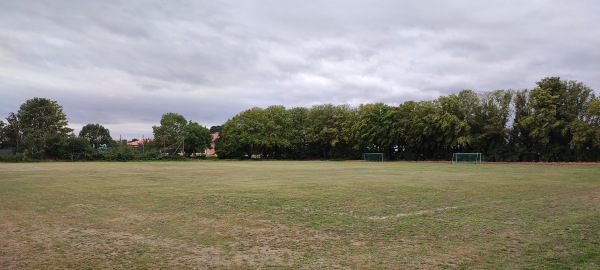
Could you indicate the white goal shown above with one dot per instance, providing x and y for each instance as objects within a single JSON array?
[
  {"x": 467, "y": 158},
  {"x": 372, "y": 156}
]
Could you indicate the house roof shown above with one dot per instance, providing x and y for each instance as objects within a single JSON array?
[{"x": 138, "y": 143}]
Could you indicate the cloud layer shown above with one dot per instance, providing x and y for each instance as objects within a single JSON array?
[{"x": 124, "y": 63}]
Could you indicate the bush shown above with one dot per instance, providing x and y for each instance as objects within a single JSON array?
[
  {"x": 127, "y": 153},
  {"x": 19, "y": 157},
  {"x": 120, "y": 153}
]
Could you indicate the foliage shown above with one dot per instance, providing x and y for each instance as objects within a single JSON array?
[
  {"x": 197, "y": 138},
  {"x": 96, "y": 134},
  {"x": 489, "y": 128},
  {"x": 275, "y": 132},
  {"x": 557, "y": 120},
  {"x": 298, "y": 133},
  {"x": 170, "y": 130},
  {"x": 215, "y": 129},
  {"x": 3, "y": 137},
  {"x": 175, "y": 135},
  {"x": 244, "y": 135},
  {"x": 372, "y": 128},
  {"x": 549, "y": 121},
  {"x": 19, "y": 157},
  {"x": 121, "y": 153},
  {"x": 330, "y": 132},
  {"x": 69, "y": 148},
  {"x": 11, "y": 133},
  {"x": 38, "y": 120}
]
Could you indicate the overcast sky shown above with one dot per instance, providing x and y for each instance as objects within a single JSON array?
[{"x": 125, "y": 63}]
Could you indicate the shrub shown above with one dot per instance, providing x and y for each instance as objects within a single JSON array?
[{"x": 19, "y": 157}]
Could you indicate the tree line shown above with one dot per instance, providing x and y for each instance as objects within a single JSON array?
[
  {"x": 39, "y": 130},
  {"x": 558, "y": 120}
]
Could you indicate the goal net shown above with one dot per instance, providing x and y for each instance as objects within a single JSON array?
[
  {"x": 373, "y": 156},
  {"x": 467, "y": 158}
]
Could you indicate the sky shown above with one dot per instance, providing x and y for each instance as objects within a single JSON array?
[{"x": 123, "y": 64}]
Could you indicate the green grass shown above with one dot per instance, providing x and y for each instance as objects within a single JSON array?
[{"x": 298, "y": 215}]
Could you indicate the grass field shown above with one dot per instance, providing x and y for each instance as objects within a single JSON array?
[{"x": 308, "y": 215}]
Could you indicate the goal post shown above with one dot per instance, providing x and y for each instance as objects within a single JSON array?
[
  {"x": 467, "y": 158},
  {"x": 372, "y": 157}
]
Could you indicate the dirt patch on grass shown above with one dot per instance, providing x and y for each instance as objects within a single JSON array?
[
  {"x": 265, "y": 244},
  {"x": 12, "y": 249},
  {"x": 179, "y": 253}
]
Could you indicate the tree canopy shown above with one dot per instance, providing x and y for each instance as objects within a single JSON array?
[
  {"x": 197, "y": 138},
  {"x": 170, "y": 130},
  {"x": 38, "y": 119},
  {"x": 557, "y": 120},
  {"x": 96, "y": 134}
]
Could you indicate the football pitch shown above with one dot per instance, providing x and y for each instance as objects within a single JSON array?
[{"x": 307, "y": 215}]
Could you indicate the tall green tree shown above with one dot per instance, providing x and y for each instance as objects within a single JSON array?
[
  {"x": 574, "y": 98},
  {"x": 299, "y": 137},
  {"x": 401, "y": 116},
  {"x": 13, "y": 137},
  {"x": 454, "y": 121},
  {"x": 197, "y": 137},
  {"x": 592, "y": 117},
  {"x": 373, "y": 126},
  {"x": 549, "y": 121},
  {"x": 330, "y": 132},
  {"x": 3, "y": 137},
  {"x": 278, "y": 132},
  {"x": 520, "y": 139},
  {"x": 243, "y": 135},
  {"x": 40, "y": 118},
  {"x": 586, "y": 133},
  {"x": 415, "y": 130},
  {"x": 592, "y": 112},
  {"x": 489, "y": 129},
  {"x": 170, "y": 131},
  {"x": 96, "y": 134},
  {"x": 263, "y": 132}
]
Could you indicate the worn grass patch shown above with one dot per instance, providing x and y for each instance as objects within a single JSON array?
[{"x": 298, "y": 215}]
